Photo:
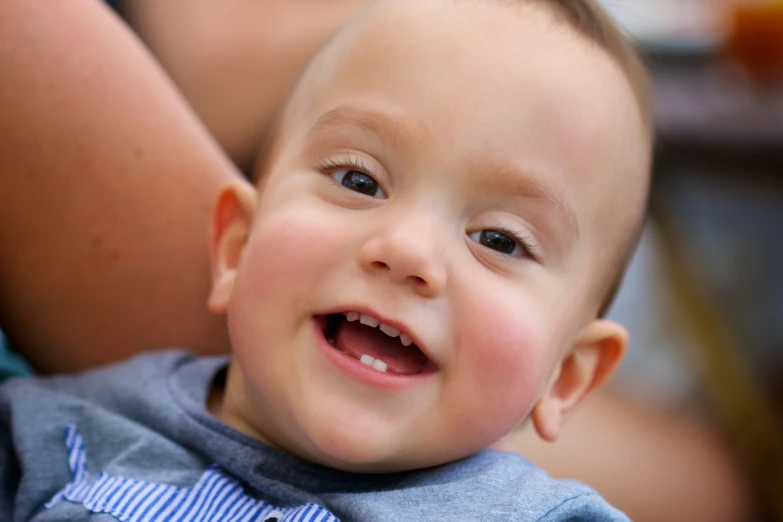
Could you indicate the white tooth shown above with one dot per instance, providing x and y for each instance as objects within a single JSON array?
[
  {"x": 390, "y": 330},
  {"x": 369, "y": 321},
  {"x": 352, "y": 316},
  {"x": 405, "y": 340},
  {"x": 379, "y": 365},
  {"x": 369, "y": 360}
]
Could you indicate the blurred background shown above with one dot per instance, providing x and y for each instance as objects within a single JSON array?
[{"x": 703, "y": 299}]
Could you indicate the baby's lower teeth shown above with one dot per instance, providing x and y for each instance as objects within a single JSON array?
[{"x": 373, "y": 362}]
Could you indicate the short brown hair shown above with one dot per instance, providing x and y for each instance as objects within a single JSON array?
[{"x": 592, "y": 21}]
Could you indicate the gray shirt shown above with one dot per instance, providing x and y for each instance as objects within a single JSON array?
[{"x": 134, "y": 442}]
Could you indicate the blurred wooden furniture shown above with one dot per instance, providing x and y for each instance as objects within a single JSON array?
[{"x": 718, "y": 201}]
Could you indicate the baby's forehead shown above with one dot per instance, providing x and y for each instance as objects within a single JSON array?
[
  {"x": 458, "y": 67},
  {"x": 427, "y": 35},
  {"x": 441, "y": 51}
]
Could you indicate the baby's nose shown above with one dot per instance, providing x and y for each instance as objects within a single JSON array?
[{"x": 408, "y": 253}]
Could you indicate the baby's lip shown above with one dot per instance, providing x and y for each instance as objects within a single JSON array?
[{"x": 398, "y": 325}]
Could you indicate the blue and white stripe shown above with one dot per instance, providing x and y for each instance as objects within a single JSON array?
[{"x": 215, "y": 497}]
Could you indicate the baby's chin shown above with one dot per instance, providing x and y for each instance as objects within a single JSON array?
[
  {"x": 362, "y": 454},
  {"x": 358, "y": 456},
  {"x": 352, "y": 461},
  {"x": 358, "y": 452}
]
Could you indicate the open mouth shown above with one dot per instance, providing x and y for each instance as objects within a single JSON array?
[{"x": 377, "y": 345}]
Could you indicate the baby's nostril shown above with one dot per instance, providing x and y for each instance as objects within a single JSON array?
[{"x": 380, "y": 265}]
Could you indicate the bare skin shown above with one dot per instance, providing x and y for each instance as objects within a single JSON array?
[
  {"x": 105, "y": 168},
  {"x": 103, "y": 247},
  {"x": 135, "y": 224},
  {"x": 252, "y": 50}
]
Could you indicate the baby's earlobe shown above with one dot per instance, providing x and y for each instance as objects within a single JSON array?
[
  {"x": 231, "y": 221},
  {"x": 547, "y": 418},
  {"x": 220, "y": 295},
  {"x": 589, "y": 365}
]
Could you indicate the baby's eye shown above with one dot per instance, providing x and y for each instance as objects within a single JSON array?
[
  {"x": 498, "y": 241},
  {"x": 358, "y": 182}
]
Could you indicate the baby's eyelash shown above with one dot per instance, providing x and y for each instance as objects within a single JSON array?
[
  {"x": 523, "y": 239},
  {"x": 349, "y": 162},
  {"x": 346, "y": 163}
]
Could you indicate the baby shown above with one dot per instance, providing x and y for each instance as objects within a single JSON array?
[{"x": 443, "y": 212}]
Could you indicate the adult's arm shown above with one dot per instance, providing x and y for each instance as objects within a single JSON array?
[
  {"x": 106, "y": 185},
  {"x": 235, "y": 62}
]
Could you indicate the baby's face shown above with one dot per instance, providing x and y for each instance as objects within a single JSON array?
[{"x": 457, "y": 175}]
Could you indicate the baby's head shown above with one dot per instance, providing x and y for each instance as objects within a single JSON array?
[{"x": 470, "y": 174}]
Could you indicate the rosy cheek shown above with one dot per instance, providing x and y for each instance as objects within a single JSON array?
[
  {"x": 288, "y": 254},
  {"x": 290, "y": 250},
  {"x": 507, "y": 353}
]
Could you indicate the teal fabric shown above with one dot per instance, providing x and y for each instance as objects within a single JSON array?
[{"x": 11, "y": 365}]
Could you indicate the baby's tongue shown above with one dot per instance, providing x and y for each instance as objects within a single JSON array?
[{"x": 357, "y": 339}]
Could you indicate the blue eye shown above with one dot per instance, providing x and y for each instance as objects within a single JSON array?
[{"x": 358, "y": 182}]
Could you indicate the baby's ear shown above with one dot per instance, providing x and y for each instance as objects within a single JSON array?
[
  {"x": 590, "y": 363},
  {"x": 231, "y": 221}
]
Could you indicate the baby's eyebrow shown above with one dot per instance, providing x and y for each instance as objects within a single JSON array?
[
  {"x": 393, "y": 130},
  {"x": 500, "y": 177},
  {"x": 513, "y": 182}
]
